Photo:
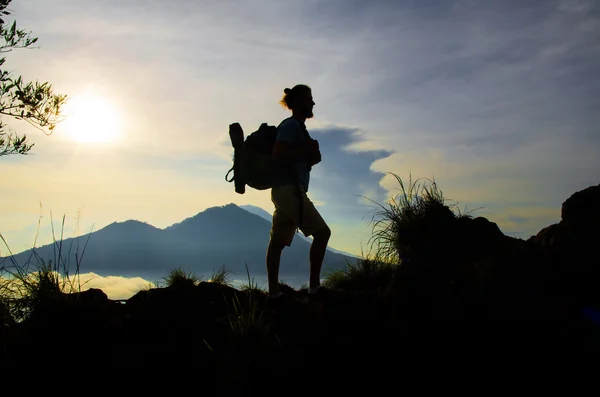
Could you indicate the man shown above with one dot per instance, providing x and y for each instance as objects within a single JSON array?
[{"x": 297, "y": 153}]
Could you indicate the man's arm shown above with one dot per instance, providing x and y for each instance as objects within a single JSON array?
[{"x": 285, "y": 150}]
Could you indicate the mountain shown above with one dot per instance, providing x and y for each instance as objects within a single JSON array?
[
  {"x": 219, "y": 236},
  {"x": 266, "y": 215},
  {"x": 258, "y": 211}
]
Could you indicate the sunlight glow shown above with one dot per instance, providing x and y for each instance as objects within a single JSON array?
[{"x": 92, "y": 119}]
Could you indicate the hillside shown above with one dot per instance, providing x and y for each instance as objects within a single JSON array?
[{"x": 468, "y": 300}]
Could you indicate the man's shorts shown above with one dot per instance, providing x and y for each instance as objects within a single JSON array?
[{"x": 287, "y": 200}]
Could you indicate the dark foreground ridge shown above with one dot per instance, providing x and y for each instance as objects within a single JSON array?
[{"x": 478, "y": 298}]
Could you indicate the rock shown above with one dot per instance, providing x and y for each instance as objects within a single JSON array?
[
  {"x": 486, "y": 228},
  {"x": 581, "y": 213},
  {"x": 92, "y": 296},
  {"x": 579, "y": 225},
  {"x": 481, "y": 235},
  {"x": 570, "y": 265},
  {"x": 552, "y": 235}
]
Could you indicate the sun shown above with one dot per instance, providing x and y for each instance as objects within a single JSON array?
[{"x": 91, "y": 118}]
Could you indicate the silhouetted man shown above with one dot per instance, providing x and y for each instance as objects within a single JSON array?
[{"x": 296, "y": 151}]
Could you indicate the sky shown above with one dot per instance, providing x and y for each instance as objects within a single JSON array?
[{"x": 498, "y": 101}]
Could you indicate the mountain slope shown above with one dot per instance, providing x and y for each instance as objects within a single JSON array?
[{"x": 257, "y": 211}]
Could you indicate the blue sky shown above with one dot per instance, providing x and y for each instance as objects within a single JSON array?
[{"x": 496, "y": 100}]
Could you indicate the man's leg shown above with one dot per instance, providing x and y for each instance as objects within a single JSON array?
[
  {"x": 317, "y": 254},
  {"x": 282, "y": 233},
  {"x": 273, "y": 258}
]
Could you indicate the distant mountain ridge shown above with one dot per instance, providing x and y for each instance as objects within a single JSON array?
[{"x": 227, "y": 236}]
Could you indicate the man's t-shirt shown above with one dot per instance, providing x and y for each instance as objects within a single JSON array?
[{"x": 290, "y": 131}]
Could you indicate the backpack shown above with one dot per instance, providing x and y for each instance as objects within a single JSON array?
[{"x": 252, "y": 160}]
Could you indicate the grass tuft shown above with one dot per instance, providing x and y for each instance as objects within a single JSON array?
[
  {"x": 26, "y": 287},
  {"x": 221, "y": 276},
  {"x": 179, "y": 278},
  {"x": 411, "y": 219}
]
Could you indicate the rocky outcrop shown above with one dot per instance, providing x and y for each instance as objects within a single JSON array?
[
  {"x": 580, "y": 214},
  {"x": 571, "y": 259},
  {"x": 579, "y": 225}
]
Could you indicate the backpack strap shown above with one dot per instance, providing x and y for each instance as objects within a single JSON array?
[
  {"x": 227, "y": 175},
  {"x": 302, "y": 126}
]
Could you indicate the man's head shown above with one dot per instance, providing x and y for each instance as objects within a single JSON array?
[{"x": 299, "y": 100}]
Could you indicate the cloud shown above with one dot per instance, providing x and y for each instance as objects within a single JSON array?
[
  {"x": 116, "y": 287},
  {"x": 484, "y": 72},
  {"x": 344, "y": 174}
]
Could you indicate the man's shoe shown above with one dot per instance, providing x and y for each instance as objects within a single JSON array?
[
  {"x": 320, "y": 294},
  {"x": 281, "y": 300}
]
